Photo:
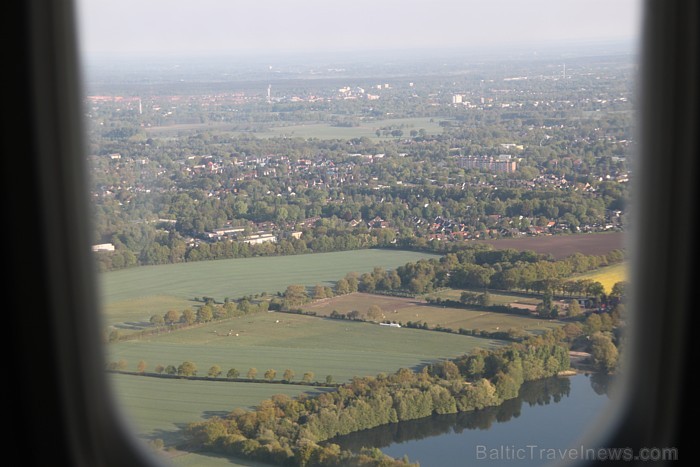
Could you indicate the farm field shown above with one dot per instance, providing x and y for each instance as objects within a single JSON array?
[
  {"x": 310, "y": 130},
  {"x": 365, "y": 129},
  {"x": 199, "y": 459},
  {"x": 407, "y": 309},
  {"x": 607, "y": 276},
  {"x": 134, "y": 313},
  {"x": 560, "y": 246},
  {"x": 157, "y": 408},
  {"x": 301, "y": 343},
  {"x": 134, "y": 295},
  {"x": 496, "y": 297}
]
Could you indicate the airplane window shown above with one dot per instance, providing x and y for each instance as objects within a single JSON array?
[{"x": 379, "y": 233}]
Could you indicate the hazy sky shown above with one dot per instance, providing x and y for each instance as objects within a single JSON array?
[{"x": 144, "y": 27}]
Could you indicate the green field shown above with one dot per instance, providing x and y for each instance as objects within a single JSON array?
[
  {"x": 157, "y": 408},
  {"x": 607, "y": 276},
  {"x": 134, "y": 313},
  {"x": 134, "y": 295},
  {"x": 301, "y": 343},
  {"x": 408, "y": 309},
  {"x": 199, "y": 459},
  {"x": 496, "y": 298},
  {"x": 365, "y": 129},
  {"x": 308, "y": 130}
]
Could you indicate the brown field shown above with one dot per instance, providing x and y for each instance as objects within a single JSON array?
[
  {"x": 410, "y": 309},
  {"x": 360, "y": 301},
  {"x": 560, "y": 246}
]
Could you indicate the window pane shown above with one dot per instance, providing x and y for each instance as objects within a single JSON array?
[{"x": 330, "y": 231}]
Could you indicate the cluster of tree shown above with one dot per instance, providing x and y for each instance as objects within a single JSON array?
[
  {"x": 282, "y": 430},
  {"x": 295, "y": 296},
  {"x": 602, "y": 335},
  {"x": 482, "y": 267}
]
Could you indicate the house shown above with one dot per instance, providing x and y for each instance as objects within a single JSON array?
[
  {"x": 535, "y": 230},
  {"x": 377, "y": 223}
]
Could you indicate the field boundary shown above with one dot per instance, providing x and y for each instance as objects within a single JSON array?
[{"x": 151, "y": 374}]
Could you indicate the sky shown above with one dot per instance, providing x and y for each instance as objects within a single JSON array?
[{"x": 147, "y": 27}]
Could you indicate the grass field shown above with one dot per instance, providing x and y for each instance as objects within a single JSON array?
[
  {"x": 134, "y": 295},
  {"x": 302, "y": 343},
  {"x": 309, "y": 130},
  {"x": 407, "y": 309},
  {"x": 496, "y": 298},
  {"x": 607, "y": 276},
  {"x": 199, "y": 459},
  {"x": 157, "y": 408},
  {"x": 134, "y": 313},
  {"x": 365, "y": 129}
]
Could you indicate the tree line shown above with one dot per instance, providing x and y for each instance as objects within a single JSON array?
[{"x": 188, "y": 369}]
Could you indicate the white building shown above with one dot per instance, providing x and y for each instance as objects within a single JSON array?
[
  {"x": 260, "y": 238},
  {"x": 103, "y": 247}
]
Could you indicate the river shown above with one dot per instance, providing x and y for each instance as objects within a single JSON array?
[{"x": 547, "y": 415}]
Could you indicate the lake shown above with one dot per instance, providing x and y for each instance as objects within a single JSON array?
[{"x": 548, "y": 414}]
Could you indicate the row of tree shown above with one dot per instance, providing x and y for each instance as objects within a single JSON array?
[{"x": 189, "y": 369}]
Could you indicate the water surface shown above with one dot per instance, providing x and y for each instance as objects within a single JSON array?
[{"x": 547, "y": 415}]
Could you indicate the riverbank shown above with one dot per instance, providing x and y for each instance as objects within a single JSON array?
[{"x": 581, "y": 362}]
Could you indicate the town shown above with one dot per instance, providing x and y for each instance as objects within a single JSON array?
[{"x": 275, "y": 170}]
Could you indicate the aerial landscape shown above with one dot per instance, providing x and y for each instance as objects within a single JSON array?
[{"x": 319, "y": 260}]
